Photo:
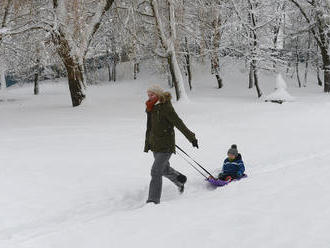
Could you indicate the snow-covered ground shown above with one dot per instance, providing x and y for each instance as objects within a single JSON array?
[{"x": 77, "y": 177}]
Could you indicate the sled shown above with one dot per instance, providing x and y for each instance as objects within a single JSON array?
[{"x": 221, "y": 183}]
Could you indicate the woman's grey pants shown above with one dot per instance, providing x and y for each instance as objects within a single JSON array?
[{"x": 161, "y": 167}]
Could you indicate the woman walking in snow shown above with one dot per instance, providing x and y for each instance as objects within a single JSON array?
[{"x": 160, "y": 139}]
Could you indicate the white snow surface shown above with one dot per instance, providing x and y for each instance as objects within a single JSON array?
[{"x": 78, "y": 177}]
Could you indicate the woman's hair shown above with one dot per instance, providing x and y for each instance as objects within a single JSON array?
[{"x": 163, "y": 96}]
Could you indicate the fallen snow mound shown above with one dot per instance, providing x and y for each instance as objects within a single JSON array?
[{"x": 280, "y": 94}]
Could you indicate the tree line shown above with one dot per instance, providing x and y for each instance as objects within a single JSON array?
[{"x": 175, "y": 34}]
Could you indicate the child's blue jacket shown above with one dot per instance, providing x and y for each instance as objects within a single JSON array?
[{"x": 235, "y": 167}]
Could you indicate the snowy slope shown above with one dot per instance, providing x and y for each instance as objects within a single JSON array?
[{"x": 78, "y": 177}]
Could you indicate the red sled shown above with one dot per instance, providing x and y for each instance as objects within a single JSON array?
[{"x": 221, "y": 183}]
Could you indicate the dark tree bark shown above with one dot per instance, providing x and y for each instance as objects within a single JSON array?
[
  {"x": 306, "y": 73},
  {"x": 255, "y": 78},
  {"x": 327, "y": 80},
  {"x": 219, "y": 80},
  {"x": 297, "y": 73},
  {"x": 216, "y": 70},
  {"x": 188, "y": 64},
  {"x": 169, "y": 76},
  {"x": 251, "y": 81},
  {"x": 112, "y": 62},
  {"x": 174, "y": 79},
  {"x": 76, "y": 82},
  {"x": 326, "y": 69},
  {"x": 109, "y": 66},
  {"x": 36, "y": 79},
  {"x": 109, "y": 72},
  {"x": 36, "y": 83},
  {"x": 319, "y": 80},
  {"x": 114, "y": 71},
  {"x": 74, "y": 69}
]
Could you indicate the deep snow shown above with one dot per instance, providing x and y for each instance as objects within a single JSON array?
[{"x": 78, "y": 177}]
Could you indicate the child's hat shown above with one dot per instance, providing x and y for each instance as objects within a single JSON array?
[{"x": 233, "y": 150}]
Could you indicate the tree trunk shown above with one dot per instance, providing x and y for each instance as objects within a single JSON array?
[
  {"x": 256, "y": 83},
  {"x": 307, "y": 59},
  {"x": 136, "y": 69},
  {"x": 212, "y": 67},
  {"x": 306, "y": 74},
  {"x": 324, "y": 48},
  {"x": 188, "y": 64},
  {"x": 109, "y": 66},
  {"x": 168, "y": 43},
  {"x": 114, "y": 74},
  {"x": 326, "y": 69},
  {"x": 216, "y": 24},
  {"x": 36, "y": 83},
  {"x": 109, "y": 72},
  {"x": 216, "y": 70},
  {"x": 253, "y": 65},
  {"x": 288, "y": 69},
  {"x": 297, "y": 64},
  {"x": 169, "y": 74},
  {"x": 76, "y": 82},
  {"x": 2, "y": 78},
  {"x": 36, "y": 76},
  {"x": 319, "y": 81},
  {"x": 174, "y": 79},
  {"x": 251, "y": 81},
  {"x": 176, "y": 76},
  {"x": 219, "y": 80},
  {"x": 75, "y": 70},
  {"x": 327, "y": 80},
  {"x": 253, "y": 77},
  {"x": 297, "y": 72}
]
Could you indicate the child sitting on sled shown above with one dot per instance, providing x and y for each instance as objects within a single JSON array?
[{"x": 233, "y": 168}]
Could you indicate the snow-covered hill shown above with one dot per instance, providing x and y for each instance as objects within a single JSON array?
[{"x": 78, "y": 177}]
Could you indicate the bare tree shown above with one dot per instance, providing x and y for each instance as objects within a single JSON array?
[
  {"x": 168, "y": 40},
  {"x": 251, "y": 28},
  {"x": 71, "y": 26},
  {"x": 76, "y": 23},
  {"x": 318, "y": 22}
]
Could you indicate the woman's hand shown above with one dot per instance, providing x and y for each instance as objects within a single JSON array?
[{"x": 195, "y": 143}]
